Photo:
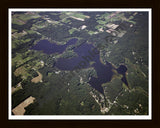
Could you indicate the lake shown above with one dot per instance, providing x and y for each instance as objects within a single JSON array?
[
  {"x": 49, "y": 48},
  {"x": 122, "y": 70},
  {"x": 85, "y": 54}
]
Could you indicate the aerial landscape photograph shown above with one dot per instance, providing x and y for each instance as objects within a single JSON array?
[{"x": 79, "y": 62}]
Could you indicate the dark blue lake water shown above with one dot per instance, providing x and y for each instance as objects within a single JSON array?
[
  {"x": 49, "y": 48},
  {"x": 86, "y": 53},
  {"x": 122, "y": 70}
]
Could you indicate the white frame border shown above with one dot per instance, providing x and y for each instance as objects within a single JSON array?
[{"x": 81, "y": 117}]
